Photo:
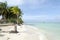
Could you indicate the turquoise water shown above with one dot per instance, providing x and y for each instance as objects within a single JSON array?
[{"x": 52, "y": 29}]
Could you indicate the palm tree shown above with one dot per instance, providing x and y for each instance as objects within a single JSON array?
[
  {"x": 17, "y": 12},
  {"x": 3, "y": 10},
  {"x": 11, "y": 13}
]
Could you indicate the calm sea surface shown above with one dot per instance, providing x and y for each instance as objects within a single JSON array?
[{"x": 52, "y": 29}]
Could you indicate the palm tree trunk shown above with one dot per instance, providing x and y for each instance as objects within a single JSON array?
[
  {"x": 4, "y": 19},
  {"x": 16, "y": 25},
  {"x": 15, "y": 28}
]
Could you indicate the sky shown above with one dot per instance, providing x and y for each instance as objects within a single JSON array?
[{"x": 38, "y": 10}]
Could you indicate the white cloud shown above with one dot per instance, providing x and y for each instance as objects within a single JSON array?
[
  {"x": 34, "y": 4},
  {"x": 13, "y": 2},
  {"x": 2, "y": 0},
  {"x": 46, "y": 18},
  {"x": 33, "y": 17}
]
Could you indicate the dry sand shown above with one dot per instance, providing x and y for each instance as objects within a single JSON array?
[{"x": 26, "y": 32}]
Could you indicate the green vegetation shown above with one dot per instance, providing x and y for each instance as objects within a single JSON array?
[{"x": 11, "y": 14}]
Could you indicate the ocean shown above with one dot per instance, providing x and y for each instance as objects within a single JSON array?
[{"x": 52, "y": 29}]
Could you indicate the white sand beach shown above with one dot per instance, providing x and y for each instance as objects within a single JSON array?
[{"x": 26, "y": 32}]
